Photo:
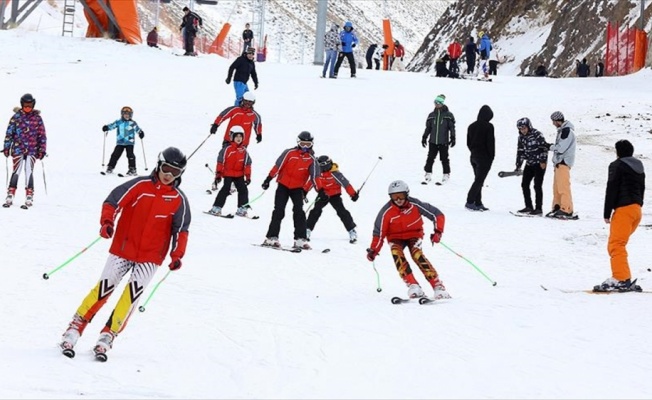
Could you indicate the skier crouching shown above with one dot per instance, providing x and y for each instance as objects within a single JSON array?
[{"x": 400, "y": 222}]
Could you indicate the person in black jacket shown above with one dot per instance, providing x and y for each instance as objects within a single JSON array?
[
  {"x": 532, "y": 149},
  {"x": 247, "y": 38},
  {"x": 481, "y": 141},
  {"x": 437, "y": 137},
  {"x": 470, "y": 50},
  {"x": 370, "y": 54},
  {"x": 583, "y": 69},
  {"x": 244, "y": 67},
  {"x": 622, "y": 210},
  {"x": 189, "y": 26},
  {"x": 599, "y": 69}
]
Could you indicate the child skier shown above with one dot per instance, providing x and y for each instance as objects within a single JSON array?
[
  {"x": 400, "y": 222},
  {"x": 331, "y": 181},
  {"x": 25, "y": 142},
  {"x": 234, "y": 166},
  {"x": 127, "y": 129},
  {"x": 243, "y": 115}
]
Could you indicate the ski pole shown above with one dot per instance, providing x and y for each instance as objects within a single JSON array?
[
  {"x": 494, "y": 283},
  {"x": 312, "y": 204},
  {"x": 142, "y": 308},
  {"x": 210, "y": 169},
  {"x": 6, "y": 172},
  {"x": 378, "y": 288},
  {"x": 47, "y": 275},
  {"x": 142, "y": 144},
  {"x": 45, "y": 183},
  {"x": 255, "y": 198},
  {"x": 372, "y": 170},
  {"x": 200, "y": 145},
  {"x": 104, "y": 147}
]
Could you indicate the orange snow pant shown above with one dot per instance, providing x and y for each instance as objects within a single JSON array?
[
  {"x": 561, "y": 189},
  {"x": 624, "y": 222},
  {"x": 404, "y": 270}
]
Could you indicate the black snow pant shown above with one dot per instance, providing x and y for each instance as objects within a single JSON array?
[
  {"x": 117, "y": 153},
  {"x": 283, "y": 193},
  {"x": 377, "y": 62},
  {"x": 368, "y": 59},
  {"x": 189, "y": 42},
  {"x": 338, "y": 205},
  {"x": 340, "y": 58},
  {"x": 442, "y": 149},
  {"x": 536, "y": 173},
  {"x": 243, "y": 191},
  {"x": 493, "y": 67},
  {"x": 481, "y": 167},
  {"x": 470, "y": 65}
]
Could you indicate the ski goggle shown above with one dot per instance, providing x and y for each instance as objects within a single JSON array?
[
  {"x": 171, "y": 170},
  {"x": 28, "y": 106},
  {"x": 247, "y": 103},
  {"x": 398, "y": 196},
  {"x": 304, "y": 144}
]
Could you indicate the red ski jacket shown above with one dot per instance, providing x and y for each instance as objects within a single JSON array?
[
  {"x": 404, "y": 223},
  {"x": 332, "y": 182},
  {"x": 151, "y": 216},
  {"x": 295, "y": 167},
  {"x": 233, "y": 161},
  {"x": 247, "y": 118},
  {"x": 454, "y": 50}
]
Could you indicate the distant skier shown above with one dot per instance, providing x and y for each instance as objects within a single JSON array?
[
  {"x": 242, "y": 115},
  {"x": 349, "y": 40},
  {"x": 244, "y": 67},
  {"x": 533, "y": 150},
  {"x": 126, "y": 131},
  {"x": 437, "y": 137},
  {"x": 481, "y": 141}
]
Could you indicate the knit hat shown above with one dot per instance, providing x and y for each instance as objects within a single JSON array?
[
  {"x": 557, "y": 116},
  {"x": 186, "y": 9},
  {"x": 440, "y": 99},
  {"x": 624, "y": 148}
]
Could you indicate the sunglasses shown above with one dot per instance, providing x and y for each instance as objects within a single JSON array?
[
  {"x": 305, "y": 145},
  {"x": 171, "y": 170},
  {"x": 398, "y": 196}
]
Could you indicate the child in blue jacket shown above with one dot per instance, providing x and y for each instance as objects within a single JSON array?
[{"x": 127, "y": 129}]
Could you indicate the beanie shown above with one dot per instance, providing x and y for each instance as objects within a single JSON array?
[
  {"x": 624, "y": 148},
  {"x": 440, "y": 99}
]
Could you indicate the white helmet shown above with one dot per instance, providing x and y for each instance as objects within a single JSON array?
[
  {"x": 249, "y": 96},
  {"x": 398, "y": 187},
  {"x": 236, "y": 130}
]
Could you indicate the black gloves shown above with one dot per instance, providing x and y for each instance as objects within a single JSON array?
[
  {"x": 265, "y": 184},
  {"x": 255, "y": 86},
  {"x": 247, "y": 181},
  {"x": 259, "y": 138},
  {"x": 453, "y": 141},
  {"x": 214, "y": 128},
  {"x": 424, "y": 142},
  {"x": 105, "y": 128},
  {"x": 228, "y": 80},
  {"x": 322, "y": 196},
  {"x": 352, "y": 45},
  {"x": 141, "y": 134},
  {"x": 355, "y": 197},
  {"x": 343, "y": 44}
]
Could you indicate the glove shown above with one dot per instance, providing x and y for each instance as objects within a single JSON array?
[
  {"x": 5, "y": 152},
  {"x": 355, "y": 197},
  {"x": 255, "y": 86},
  {"x": 228, "y": 81},
  {"x": 322, "y": 196},
  {"x": 259, "y": 138},
  {"x": 453, "y": 141},
  {"x": 305, "y": 196},
  {"x": 141, "y": 134},
  {"x": 214, "y": 185},
  {"x": 343, "y": 44},
  {"x": 371, "y": 254},
  {"x": 175, "y": 264},
  {"x": 218, "y": 178},
  {"x": 214, "y": 128},
  {"x": 266, "y": 183},
  {"x": 436, "y": 237},
  {"x": 247, "y": 180},
  {"x": 106, "y": 231},
  {"x": 39, "y": 155},
  {"x": 353, "y": 45},
  {"x": 401, "y": 59},
  {"x": 105, "y": 128},
  {"x": 424, "y": 142}
]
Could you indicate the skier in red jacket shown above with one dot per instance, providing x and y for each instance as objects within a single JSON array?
[
  {"x": 242, "y": 115},
  {"x": 400, "y": 222},
  {"x": 154, "y": 213},
  {"x": 294, "y": 168}
]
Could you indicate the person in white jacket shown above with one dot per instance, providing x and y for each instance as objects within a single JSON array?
[
  {"x": 494, "y": 60},
  {"x": 378, "y": 55}
]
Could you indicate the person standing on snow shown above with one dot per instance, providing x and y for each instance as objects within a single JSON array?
[
  {"x": 247, "y": 37},
  {"x": 153, "y": 212},
  {"x": 234, "y": 166},
  {"x": 25, "y": 142},
  {"x": 242, "y": 115},
  {"x": 331, "y": 181},
  {"x": 190, "y": 24},
  {"x": 399, "y": 52},
  {"x": 371, "y": 50},
  {"x": 294, "y": 168},
  {"x": 440, "y": 128},
  {"x": 485, "y": 52},
  {"x": 533, "y": 149},
  {"x": 481, "y": 141},
  {"x": 470, "y": 50},
  {"x": 563, "y": 159},
  {"x": 348, "y": 40},
  {"x": 622, "y": 211},
  {"x": 400, "y": 222},
  {"x": 126, "y": 131},
  {"x": 244, "y": 67},
  {"x": 332, "y": 46},
  {"x": 454, "y": 52}
]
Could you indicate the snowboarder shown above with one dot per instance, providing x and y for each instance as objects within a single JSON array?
[
  {"x": 242, "y": 115},
  {"x": 563, "y": 158},
  {"x": 244, "y": 67},
  {"x": 400, "y": 222},
  {"x": 481, "y": 141},
  {"x": 153, "y": 212},
  {"x": 294, "y": 167},
  {"x": 533, "y": 149},
  {"x": 25, "y": 142},
  {"x": 126, "y": 131},
  {"x": 234, "y": 166},
  {"x": 440, "y": 127},
  {"x": 331, "y": 181}
]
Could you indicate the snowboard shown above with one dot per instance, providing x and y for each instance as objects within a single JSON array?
[{"x": 505, "y": 174}]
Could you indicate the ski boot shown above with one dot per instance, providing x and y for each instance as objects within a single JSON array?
[
  {"x": 415, "y": 291},
  {"x": 132, "y": 172},
  {"x": 302, "y": 244},
  {"x": 104, "y": 344},
  {"x": 271, "y": 242},
  {"x": 71, "y": 335}
]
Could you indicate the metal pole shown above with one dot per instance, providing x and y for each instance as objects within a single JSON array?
[
  {"x": 642, "y": 19},
  {"x": 322, "y": 8},
  {"x": 158, "y": 6}
]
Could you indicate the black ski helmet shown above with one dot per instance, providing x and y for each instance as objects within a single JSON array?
[
  {"x": 305, "y": 136},
  {"x": 27, "y": 98},
  {"x": 172, "y": 156},
  {"x": 325, "y": 163}
]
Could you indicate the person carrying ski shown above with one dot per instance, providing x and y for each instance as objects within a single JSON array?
[
  {"x": 126, "y": 131},
  {"x": 25, "y": 142},
  {"x": 623, "y": 201},
  {"x": 234, "y": 166},
  {"x": 241, "y": 69},
  {"x": 440, "y": 128},
  {"x": 533, "y": 150},
  {"x": 331, "y": 181},
  {"x": 294, "y": 167},
  {"x": 481, "y": 141},
  {"x": 154, "y": 213},
  {"x": 400, "y": 222},
  {"x": 242, "y": 115}
]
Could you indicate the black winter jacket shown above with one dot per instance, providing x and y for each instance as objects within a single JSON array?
[
  {"x": 440, "y": 126},
  {"x": 243, "y": 68},
  {"x": 480, "y": 138},
  {"x": 626, "y": 184}
]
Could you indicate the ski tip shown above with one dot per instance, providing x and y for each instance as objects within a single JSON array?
[
  {"x": 101, "y": 357},
  {"x": 397, "y": 300},
  {"x": 425, "y": 300},
  {"x": 326, "y": 251},
  {"x": 70, "y": 353}
]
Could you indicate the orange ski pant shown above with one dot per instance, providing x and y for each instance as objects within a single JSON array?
[{"x": 624, "y": 222}]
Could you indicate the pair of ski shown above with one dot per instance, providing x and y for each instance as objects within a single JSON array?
[
  {"x": 289, "y": 249},
  {"x": 23, "y": 206},
  {"x": 422, "y": 300},
  {"x": 231, "y": 216},
  {"x": 98, "y": 352},
  {"x": 436, "y": 183},
  {"x": 596, "y": 290},
  {"x": 120, "y": 175}
]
